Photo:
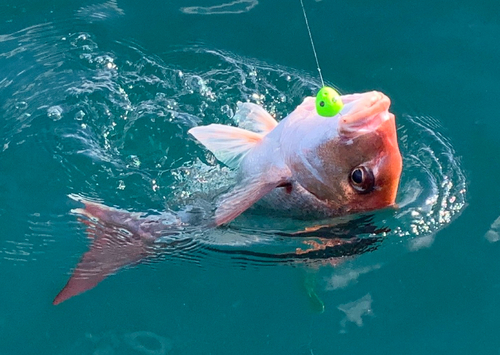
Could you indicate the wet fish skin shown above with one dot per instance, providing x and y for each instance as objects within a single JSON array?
[
  {"x": 300, "y": 166},
  {"x": 303, "y": 165}
]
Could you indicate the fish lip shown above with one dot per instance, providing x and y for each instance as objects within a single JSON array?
[{"x": 363, "y": 113}]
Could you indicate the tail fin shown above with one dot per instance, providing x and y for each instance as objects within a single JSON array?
[{"x": 116, "y": 243}]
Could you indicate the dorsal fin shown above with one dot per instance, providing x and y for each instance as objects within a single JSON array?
[
  {"x": 254, "y": 118},
  {"x": 228, "y": 144}
]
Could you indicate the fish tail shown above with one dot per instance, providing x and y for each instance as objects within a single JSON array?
[{"x": 116, "y": 242}]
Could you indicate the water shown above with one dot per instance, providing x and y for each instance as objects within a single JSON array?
[{"x": 96, "y": 100}]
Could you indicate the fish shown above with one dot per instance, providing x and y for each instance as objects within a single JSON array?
[
  {"x": 308, "y": 165},
  {"x": 305, "y": 166}
]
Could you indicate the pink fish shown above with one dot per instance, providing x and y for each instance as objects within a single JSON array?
[
  {"x": 304, "y": 166},
  {"x": 309, "y": 165}
]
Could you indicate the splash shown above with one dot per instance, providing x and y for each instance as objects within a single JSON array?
[
  {"x": 148, "y": 103},
  {"x": 433, "y": 185},
  {"x": 116, "y": 125}
]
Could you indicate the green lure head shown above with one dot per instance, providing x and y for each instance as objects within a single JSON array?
[{"x": 328, "y": 102}]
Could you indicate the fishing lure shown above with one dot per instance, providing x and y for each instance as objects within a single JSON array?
[{"x": 328, "y": 101}]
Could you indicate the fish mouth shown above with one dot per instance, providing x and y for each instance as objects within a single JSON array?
[{"x": 363, "y": 113}]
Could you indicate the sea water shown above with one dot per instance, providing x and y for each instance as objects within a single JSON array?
[{"x": 96, "y": 99}]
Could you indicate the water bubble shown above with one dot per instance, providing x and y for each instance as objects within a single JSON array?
[
  {"x": 227, "y": 110},
  {"x": 171, "y": 104},
  {"x": 258, "y": 98},
  {"x": 106, "y": 61},
  {"x": 160, "y": 96},
  {"x": 146, "y": 342},
  {"x": 133, "y": 161},
  {"x": 203, "y": 106},
  {"x": 121, "y": 185},
  {"x": 209, "y": 94},
  {"x": 55, "y": 112},
  {"x": 84, "y": 42},
  {"x": 79, "y": 115},
  {"x": 194, "y": 82},
  {"x": 87, "y": 57},
  {"x": 21, "y": 105}
]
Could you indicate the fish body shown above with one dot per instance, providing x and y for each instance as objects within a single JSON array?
[
  {"x": 304, "y": 166},
  {"x": 308, "y": 165}
]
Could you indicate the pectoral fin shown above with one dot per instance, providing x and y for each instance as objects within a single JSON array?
[{"x": 245, "y": 194}]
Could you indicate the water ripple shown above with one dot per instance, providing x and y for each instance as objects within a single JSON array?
[
  {"x": 115, "y": 119},
  {"x": 100, "y": 12},
  {"x": 433, "y": 184},
  {"x": 234, "y": 7}
]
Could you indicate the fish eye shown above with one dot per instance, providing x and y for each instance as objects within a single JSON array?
[{"x": 362, "y": 179}]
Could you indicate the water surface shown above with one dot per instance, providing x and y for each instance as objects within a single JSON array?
[{"x": 96, "y": 100}]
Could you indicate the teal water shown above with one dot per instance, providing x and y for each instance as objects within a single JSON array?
[{"x": 96, "y": 99}]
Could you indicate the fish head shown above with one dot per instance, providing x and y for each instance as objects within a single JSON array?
[{"x": 357, "y": 167}]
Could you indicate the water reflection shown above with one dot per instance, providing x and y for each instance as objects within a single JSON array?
[
  {"x": 114, "y": 118},
  {"x": 119, "y": 238},
  {"x": 346, "y": 277},
  {"x": 113, "y": 342},
  {"x": 493, "y": 234},
  {"x": 355, "y": 311},
  {"x": 234, "y": 7}
]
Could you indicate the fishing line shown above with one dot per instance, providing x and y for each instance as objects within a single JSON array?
[
  {"x": 328, "y": 100},
  {"x": 312, "y": 42}
]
